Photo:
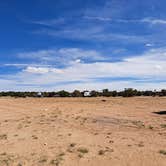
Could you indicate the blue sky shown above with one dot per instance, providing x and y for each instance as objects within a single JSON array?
[{"x": 82, "y": 44}]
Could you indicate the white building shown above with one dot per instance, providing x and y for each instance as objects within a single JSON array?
[
  {"x": 39, "y": 94},
  {"x": 87, "y": 94}
]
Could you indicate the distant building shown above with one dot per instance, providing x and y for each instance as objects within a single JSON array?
[
  {"x": 39, "y": 94},
  {"x": 87, "y": 94}
]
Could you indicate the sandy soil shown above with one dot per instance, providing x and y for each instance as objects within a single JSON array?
[{"x": 82, "y": 131}]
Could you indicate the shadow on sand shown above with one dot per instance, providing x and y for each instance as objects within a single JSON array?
[{"x": 160, "y": 112}]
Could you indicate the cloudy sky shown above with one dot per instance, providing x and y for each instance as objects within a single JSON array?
[{"x": 82, "y": 44}]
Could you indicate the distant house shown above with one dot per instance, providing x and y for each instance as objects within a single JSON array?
[
  {"x": 39, "y": 94},
  {"x": 87, "y": 94}
]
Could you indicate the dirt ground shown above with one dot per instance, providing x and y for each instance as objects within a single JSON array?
[{"x": 83, "y": 131}]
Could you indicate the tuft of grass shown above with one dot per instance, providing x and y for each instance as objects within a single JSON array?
[
  {"x": 101, "y": 152},
  {"x": 150, "y": 127},
  {"x": 3, "y": 154},
  {"x": 61, "y": 154},
  {"x": 83, "y": 150},
  {"x": 3, "y": 136},
  {"x": 56, "y": 161},
  {"x": 72, "y": 144},
  {"x": 53, "y": 162},
  {"x": 162, "y": 152},
  {"x": 163, "y": 125},
  {"x": 34, "y": 137},
  {"x": 138, "y": 124},
  {"x": 80, "y": 156},
  {"x": 42, "y": 160}
]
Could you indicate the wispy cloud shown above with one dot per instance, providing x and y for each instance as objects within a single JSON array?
[
  {"x": 143, "y": 20},
  {"x": 49, "y": 22},
  {"x": 148, "y": 66},
  {"x": 62, "y": 56},
  {"x": 154, "y": 21}
]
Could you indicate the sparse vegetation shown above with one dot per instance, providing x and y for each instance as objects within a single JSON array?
[
  {"x": 162, "y": 152},
  {"x": 150, "y": 127},
  {"x": 34, "y": 137},
  {"x": 101, "y": 152},
  {"x": 3, "y": 136},
  {"x": 163, "y": 125},
  {"x": 128, "y": 92},
  {"x": 80, "y": 155},
  {"x": 72, "y": 144},
  {"x": 83, "y": 150}
]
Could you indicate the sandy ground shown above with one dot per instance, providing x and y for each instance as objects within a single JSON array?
[{"x": 82, "y": 131}]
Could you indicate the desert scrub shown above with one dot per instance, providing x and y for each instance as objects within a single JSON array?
[
  {"x": 139, "y": 124},
  {"x": 56, "y": 161},
  {"x": 34, "y": 137},
  {"x": 83, "y": 150},
  {"x": 3, "y": 136},
  {"x": 163, "y": 125},
  {"x": 150, "y": 127},
  {"x": 80, "y": 155},
  {"x": 101, "y": 152},
  {"x": 43, "y": 159},
  {"x": 72, "y": 144},
  {"x": 162, "y": 152},
  {"x": 61, "y": 154}
]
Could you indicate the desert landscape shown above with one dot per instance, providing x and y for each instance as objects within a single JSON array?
[{"x": 83, "y": 131}]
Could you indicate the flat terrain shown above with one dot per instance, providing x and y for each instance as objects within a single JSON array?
[{"x": 83, "y": 131}]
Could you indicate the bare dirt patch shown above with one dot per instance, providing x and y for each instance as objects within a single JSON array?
[{"x": 82, "y": 131}]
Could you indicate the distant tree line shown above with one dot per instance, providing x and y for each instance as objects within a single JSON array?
[{"x": 129, "y": 92}]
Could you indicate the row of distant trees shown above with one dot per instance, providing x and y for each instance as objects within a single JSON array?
[{"x": 105, "y": 92}]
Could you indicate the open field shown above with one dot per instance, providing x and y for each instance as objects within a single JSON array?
[{"x": 82, "y": 131}]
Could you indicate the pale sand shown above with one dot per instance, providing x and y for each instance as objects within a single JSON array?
[{"x": 82, "y": 131}]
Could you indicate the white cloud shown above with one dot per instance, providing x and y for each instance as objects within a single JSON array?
[
  {"x": 97, "y": 18},
  {"x": 148, "y": 69},
  {"x": 51, "y": 22},
  {"x": 154, "y": 21},
  {"x": 63, "y": 56},
  {"x": 42, "y": 70},
  {"x": 109, "y": 19}
]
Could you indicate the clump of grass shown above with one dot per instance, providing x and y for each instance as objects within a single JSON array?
[
  {"x": 162, "y": 152},
  {"x": 150, "y": 127},
  {"x": 72, "y": 144},
  {"x": 103, "y": 100},
  {"x": 34, "y": 137},
  {"x": 101, "y": 152},
  {"x": 138, "y": 124},
  {"x": 43, "y": 160},
  {"x": 6, "y": 161},
  {"x": 163, "y": 125},
  {"x": 61, "y": 154},
  {"x": 140, "y": 144},
  {"x": 56, "y": 161},
  {"x": 83, "y": 150},
  {"x": 3, "y": 154},
  {"x": 3, "y": 136},
  {"x": 80, "y": 156}
]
